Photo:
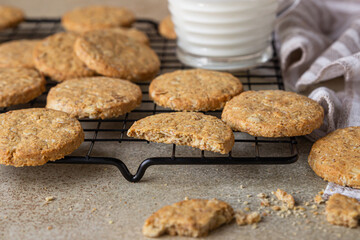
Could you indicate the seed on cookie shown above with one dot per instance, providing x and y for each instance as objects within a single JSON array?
[
  {"x": 32, "y": 137},
  {"x": 166, "y": 28},
  {"x": 336, "y": 157},
  {"x": 94, "y": 97},
  {"x": 194, "y": 90},
  {"x": 192, "y": 218},
  {"x": 114, "y": 55},
  {"x": 273, "y": 113},
  {"x": 17, "y": 53},
  {"x": 97, "y": 17},
  {"x": 10, "y": 16},
  {"x": 185, "y": 128},
  {"x": 20, "y": 85},
  {"x": 342, "y": 210},
  {"x": 54, "y": 56}
]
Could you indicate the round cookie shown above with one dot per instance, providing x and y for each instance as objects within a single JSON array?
[
  {"x": 32, "y": 137},
  {"x": 194, "y": 90},
  {"x": 167, "y": 29},
  {"x": 273, "y": 113},
  {"x": 336, "y": 157},
  {"x": 10, "y": 16},
  {"x": 18, "y": 53},
  {"x": 115, "y": 55},
  {"x": 96, "y": 97},
  {"x": 54, "y": 56},
  {"x": 20, "y": 85},
  {"x": 97, "y": 17}
]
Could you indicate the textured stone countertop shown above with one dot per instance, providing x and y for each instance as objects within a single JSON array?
[{"x": 96, "y": 202}]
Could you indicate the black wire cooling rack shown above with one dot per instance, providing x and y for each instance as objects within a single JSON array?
[{"x": 247, "y": 149}]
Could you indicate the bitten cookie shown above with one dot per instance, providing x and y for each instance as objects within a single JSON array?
[
  {"x": 96, "y": 97},
  {"x": 10, "y": 16},
  {"x": 32, "y": 137},
  {"x": 18, "y": 53},
  {"x": 185, "y": 128},
  {"x": 20, "y": 85},
  {"x": 273, "y": 113},
  {"x": 54, "y": 56},
  {"x": 97, "y": 17},
  {"x": 342, "y": 210},
  {"x": 336, "y": 157},
  {"x": 192, "y": 218},
  {"x": 115, "y": 55},
  {"x": 194, "y": 90},
  {"x": 166, "y": 28}
]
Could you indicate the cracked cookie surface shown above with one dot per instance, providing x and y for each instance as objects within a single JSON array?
[
  {"x": 273, "y": 113},
  {"x": 194, "y": 90},
  {"x": 185, "y": 128},
  {"x": 34, "y": 136},
  {"x": 336, "y": 157},
  {"x": 95, "y": 97}
]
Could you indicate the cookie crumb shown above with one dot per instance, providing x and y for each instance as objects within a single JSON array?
[
  {"x": 111, "y": 222},
  {"x": 247, "y": 209},
  {"x": 49, "y": 227},
  {"x": 186, "y": 198},
  {"x": 342, "y": 210},
  {"x": 249, "y": 196},
  {"x": 276, "y": 208},
  {"x": 262, "y": 195},
  {"x": 318, "y": 199},
  {"x": 242, "y": 187},
  {"x": 246, "y": 203},
  {"x": 285, "y": 198},
  {"x": 93, "y": 210},
  {"x": 245, "y": 219},
  {"x": 265, "y": 202}
]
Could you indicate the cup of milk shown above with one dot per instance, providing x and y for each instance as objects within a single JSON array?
[{"x": 225, "y": 34}]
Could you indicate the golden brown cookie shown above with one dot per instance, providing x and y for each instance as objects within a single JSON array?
[
  {"x": 192, "y": 218},
  {"x": 32, "y": 137},
  {"x": 194, "y": 90},
  {"x": 336, "y": 157},
  {"x": 20, "y": 85},
  {"x": 18, "y": 53},
  {"x": 10, "y": 16},
  {"x": 166, "y": 28},
  {"x": 342, "y": 210},
  {"x": 97, "y": 17},
  {"x": 96, "y": 97},
  {"x": 185, "y": 128},
  {"x": 115, "y": 55},
  {"x": 54, "y": 56},
  {"x": 273, "y": 113}
]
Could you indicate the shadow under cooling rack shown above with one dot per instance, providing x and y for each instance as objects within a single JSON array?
[{"x": 111, "y": 133}]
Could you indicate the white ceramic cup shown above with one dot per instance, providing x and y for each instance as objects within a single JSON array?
[{"x": 224, "y": 34}]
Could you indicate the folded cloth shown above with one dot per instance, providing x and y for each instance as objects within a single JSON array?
[{"x": 319, "y": 41}]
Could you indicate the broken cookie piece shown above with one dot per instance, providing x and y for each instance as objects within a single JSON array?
[
  {"x": 192, "y": 218},
  {"x": 342, "y": 210},
  {"x": 285, "y": 198},
  {"x": 245, "y": 219}
]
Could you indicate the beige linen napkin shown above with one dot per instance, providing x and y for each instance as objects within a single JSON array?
[{"x": 318, "y": 41}]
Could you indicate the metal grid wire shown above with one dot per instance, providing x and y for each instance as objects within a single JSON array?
[{"x": 268, "y": 76}]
